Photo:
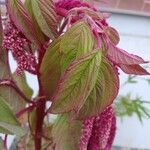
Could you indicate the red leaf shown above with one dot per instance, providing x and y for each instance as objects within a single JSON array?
[
  {"x": 134, "y": 69},
  {"x": 119, "y": 56}
]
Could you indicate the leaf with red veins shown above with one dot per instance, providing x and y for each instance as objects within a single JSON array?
[
  {"x": 21, "y": 18},
  {"x": 113, "y": 35},
  {"x": 104, "y": 92},
  {"x": 103, "y": 132},
  {"x": 46, "y": 17},
  {"x": 119, "y": 56},
  {"x": 134, "y": 69},
  {"x": 76, "y": 84}
]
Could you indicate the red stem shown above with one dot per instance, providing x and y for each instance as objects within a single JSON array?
[
  {"x": 40, "y": 109},
  {"x": 5, "y": 142},
  {"x": 40, "y": 113},
  {"x": 27, "y": 109}
]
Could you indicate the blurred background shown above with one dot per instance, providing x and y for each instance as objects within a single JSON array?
[{"x": 132, "y": 20}]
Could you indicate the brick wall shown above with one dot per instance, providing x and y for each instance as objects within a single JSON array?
[{"x": 133, "y": 5}]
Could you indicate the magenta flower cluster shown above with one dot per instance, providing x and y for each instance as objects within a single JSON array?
[
  {"x": 98, "y": 132},
  {"x": 15, "y": 42}
]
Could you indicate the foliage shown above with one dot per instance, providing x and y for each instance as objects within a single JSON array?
[
  {"x": 70, "y": 48},
  {"x": 125, "y": 105}
]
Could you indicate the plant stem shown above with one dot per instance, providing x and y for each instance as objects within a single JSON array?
[
  {"x": 40, "y": 109},
  {"x": 40, "y": 113},
  {"x": 5, "y": 142}
]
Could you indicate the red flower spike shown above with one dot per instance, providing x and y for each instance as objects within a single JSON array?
[
  {"x": 15, "y": 42},
  {"x": 86, "y": 133},
  {"x": 98, "y": 132},
  {"x": 103, "y": 132}
]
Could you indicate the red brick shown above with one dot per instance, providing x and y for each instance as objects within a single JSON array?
[
  {"x": 146, "y": 8},
  {"x": 131, "y": 4}
]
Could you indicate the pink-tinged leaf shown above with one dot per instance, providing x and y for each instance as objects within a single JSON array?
[
  {"x": 113, "y": 35},
  {"x": 41, "y": 36},
  {"x": 78, "y": 38},
  {"x": 19, "y": 15},
  {"x": 11, "y": 95},
  {"x": 6, "y": 114},
  {"x": 66, "y": 133},
  {"x": 50, "y": 70},
  {"x": 21, "y": 82},
  {"x": 120, "y": 56},
  {"x": 76, "y": 84},
  {"x": 4, "y": 66},
  {"x": 104, "y": 92},
  {"x": 133, "y": 69},
  {"x": 104, "y": 127},
  {"x": 1, "y": 31},
  {"x": 48, "y": 11},
  {"x": 77, "y": 41},
  {"x": 46, "y": 17},
  {"x": 8, "y": 121}
]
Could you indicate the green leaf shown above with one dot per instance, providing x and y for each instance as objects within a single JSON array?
[
  {"x": 104, "y": 92},
  {"x": 5, "y": 71},
  {"x": 50, "y": 68},
  {"x": 8, "y": 122},
  {"x": 77, "y": 41},
  {"x": 66, "y": 133},
  {"x": 6, "y": 128},
  {"x": 41, "y": 36},
  {"x": 1, "y": 143},
  {"x": 22, "y": 20},
  {"x": 45, "y": 16},
  {"x": 76, "y": 84},
  {"x": 6, "y": 114},
  {"x": 22, "y": 84},
  {"x": 14, "y": 99},
  {"x": 58, "y": 56}
]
